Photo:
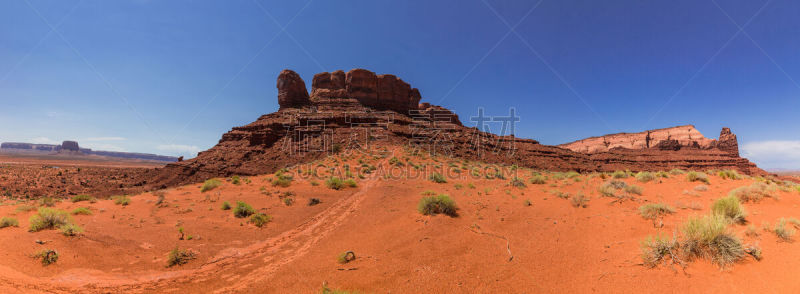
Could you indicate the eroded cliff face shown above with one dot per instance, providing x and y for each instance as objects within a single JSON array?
[
  {"x": 667, "y": 138},
  {"x": 359, "y": 110}
]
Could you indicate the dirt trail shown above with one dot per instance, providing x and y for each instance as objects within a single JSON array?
[{"x": 244, "y": 265}]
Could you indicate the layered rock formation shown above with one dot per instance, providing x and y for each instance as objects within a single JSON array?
[
  {"x": 70, "y": 146},
  {"x": 352, "y": 109}
]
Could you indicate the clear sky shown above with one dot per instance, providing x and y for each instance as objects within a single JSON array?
[{"x": 170, "y": 77}]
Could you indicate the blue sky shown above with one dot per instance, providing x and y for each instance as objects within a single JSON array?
[{"x": 170, "y": 77}]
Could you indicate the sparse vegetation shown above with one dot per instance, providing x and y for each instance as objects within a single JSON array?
[
  {"x": 8, "y": 222},
  {"x": 645, "y": 177},
  {"x": 236, "y": 180},
  {"x": 334, "y": 183},
  {"x": 313, "y": 201},
  {"x": 282, "y": 179},
  {"x": 48, "y": 218},
  {"x": 709, "y": 237},
  {"x": 71, "y": 229},
  {"x": 619, "y": 174},
  {"x": 658, "y": 249},
  {"x": 729, "y": 174},
  {"x": 697, "y": 177},
  {"x": 538, "y": 180},
  {"x": 243, "y": 210},
  {"x": 633, "y": 189},
  {"x": 701, "y": 188},
  {"x": 210, "y": 184},
  {"x": 226, "y": 205},
  {"x": 350, "y": 183},
  {"x": 655, "y": 210},
  {"x": 438, "y": 178},
  {"x": 433, "y": 205},
  {"x": 48, "y": 256},
  {"x": 82, "y": 197},
  {"x": 25, "y": 208},
  {"x": 579, "y": 200},
  {"x": 81, "y": 211},
  {"x": 121, "y": 200},
  {"x": 346, "y": 257},
  {"x": 782, "y": 231},
  {"x": 260, "y": 219},
  {"x": 730, "y": 208},
  {"x": 676, "y": 172},
  {"x": 517, "y": 182},
  {"x": 754, "y": 192},
  {"x": 179, "y": 257}
]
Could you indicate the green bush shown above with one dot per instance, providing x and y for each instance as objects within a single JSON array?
[
  {"x": 236, "y": 180},
  {"x": 121, "y": 200},
  {"x": 81, "y": 210},
  {"x": 334, "y": 183},
  {"x": 619, "y": 174},
  {"x": 71, "y": 229},
  {"x": 709, "y": 237},
  {"x": 783, "y": 232},
  {"x": 697, "y": 177},
  {"x": 8, "y": 222},
  {"x": 655, "y": 210},
  {"x": 48, "y": 256},
  {"x": 437, "y": 204},
  {"x": 350, "y": 183},
  {"x": 645, "y": 177},
  {"x": 438, "y": 178},
  {"x": 282, "y": 179},
  {"x": 677, "y": 172},
  {"x": 243, "y": 210},
  {"x": 179, "y": 257},
  {"x": 210, "y": 184},
  {"x": 260, "y": 219},
  {"x": 82, "y": 197},
  {"x": 729, "y": 174},
  {"x": 731, "y": 208},
  {"x": 538, "y": 180},
  {"x": 662, "y": 174},
  {"x": 226, "y": 205},
  {"x": 48, "y": 218}
]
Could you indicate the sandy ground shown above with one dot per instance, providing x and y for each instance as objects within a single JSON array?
[{"x": 556, "y": 247}]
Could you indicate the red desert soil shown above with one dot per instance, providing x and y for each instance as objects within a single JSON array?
[{"x": 556, "y": 247}]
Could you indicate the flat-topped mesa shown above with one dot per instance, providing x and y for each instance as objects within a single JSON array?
[
  {"x": 380, "y": 92},
  {"x": 673, "y": 138}
]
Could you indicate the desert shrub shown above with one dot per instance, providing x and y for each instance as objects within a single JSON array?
[
  {"x": 8, "y": 222},
  {"x": 82, "y": 211},
  {"x": 313, "y": 201},
  {"x": 662, "y": 174},
  {"x": 334, "y": 183},
  {"x": 288, "y": 201},
  {"x": 633, "y": 189},
  {"x": 236, "y": 180},
  {"x": 82, "y": 197},
  {"x": 754, "y": 251},
  {"x": 701, "y": 188},
  {"x": 655, "y": 210},
  {"x": 121, "y": 200},
  {"x": 619, "y": 174},
  {"x": 617, "y": 184},
  {"x": 658, "y": 249},
  {"x": 538, "y": 180},
  {"x": 346, "y": 257},
  {"x": 729, "y": 174},
  {"x": 438, "y": 178},
  {"x": 517, "y": 182},
  {"x": 697, "y": 177},
  {"x": 731, "y": 208},
  {"x": 48, "y": 218},
  {"x": 709, "y": 237},
  {"x": 243, "y": 210},
  {"x": 260, "y": 219},
  {"x": 645, "y": 177},
  {"x": 226, "y": 205},
  {"x": 433, "y": 205},
  {"x": 754, "y": 192},
  {"x": 282, "y": 179},
  {"x": 47, "y": 202},
  {"x": 608, "y": 190},
  {"x": 579, "y": 200},
  {"x": 70, "y": 229},
  {"x": 210, "y": 184},
  {"x": 48, "y": 256},
  {"x": 25, "y": 208},
  {"x": 179, "y": 257},
  {"x": 677, "y": 172},
  {"x": 350, "y": 183},
  {"x": 783, "y": 232},
  {"x": 751, "y": 231}
]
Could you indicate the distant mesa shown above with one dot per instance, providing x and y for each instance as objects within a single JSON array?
[
  {"x": 674, "y": 138},
  {"x": 73, "y": 148}
]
